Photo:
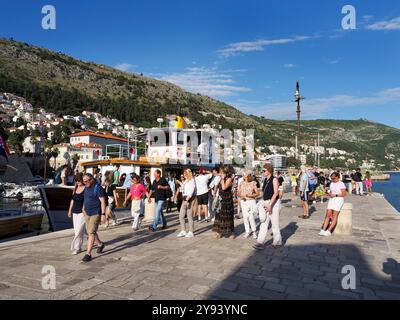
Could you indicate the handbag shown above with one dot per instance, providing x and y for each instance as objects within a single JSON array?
[{"x": 216, "y": 205}]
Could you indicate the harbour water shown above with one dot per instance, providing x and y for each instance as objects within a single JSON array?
[{"x": 391, "y": 189}]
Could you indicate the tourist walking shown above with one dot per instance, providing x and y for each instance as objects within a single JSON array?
[
  {"x": 224, "y": 220},
  {"x": 304, "y": 192},
  {"x": 337, "y": 192},
  {"x": 94, "y": 209},
  {"x": 178, "y": 198},
  {"x": 158, "y": 189},
  {"x": 76, "y": 213},
  {"x": 189, "y": 193},
  {"x": 111, "y": 202},
  {"x": 293, "y": 180},
  {"x": 368, "y": 182},
  {"x": 358, "y": 180},
  {"x": 202, "y": 194},
  {"x": 248, "y": 193},
  {"x": 136, "y": 194},
  {"x": 269, "y": 210},
  {"x": 312, "y": 182},
  {"x": 171, "y": 193}
]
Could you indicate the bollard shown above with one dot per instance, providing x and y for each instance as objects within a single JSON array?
[{"x": 345, "y": 221}]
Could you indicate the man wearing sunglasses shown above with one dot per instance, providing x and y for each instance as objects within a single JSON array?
[{"x": 94, "y": 209}]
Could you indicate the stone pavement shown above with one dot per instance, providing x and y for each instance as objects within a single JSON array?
[{"x": 138, "y": 265}]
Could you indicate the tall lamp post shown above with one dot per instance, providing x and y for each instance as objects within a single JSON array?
[{"x": 298, "y": 98}]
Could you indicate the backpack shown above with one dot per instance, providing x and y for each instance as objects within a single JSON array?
[{"x": 57, "y": 178}]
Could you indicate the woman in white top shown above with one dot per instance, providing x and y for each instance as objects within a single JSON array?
[
  {"x": 248, "y": 193},
  {"x": 188, "y": 193},
  {"x": 336, "y": 193}
]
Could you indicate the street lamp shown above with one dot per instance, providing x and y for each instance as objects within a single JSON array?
[{"x": 298, "y": 98}]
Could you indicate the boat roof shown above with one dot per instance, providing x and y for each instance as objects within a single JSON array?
[
  {"x": 121, "y": 162},
  {"x": 143, "y": 163}
]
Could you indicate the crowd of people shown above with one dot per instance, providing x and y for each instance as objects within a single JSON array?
[{"x": 218, "y": 196}]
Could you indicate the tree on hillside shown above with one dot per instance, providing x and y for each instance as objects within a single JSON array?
[
  {"x": 293, "y": 162},
  {"x": 15, "y": 140},
  {"x": 75, "y": 159}
]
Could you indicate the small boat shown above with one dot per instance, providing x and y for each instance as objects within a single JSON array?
[{"x": 14, "y": 222}]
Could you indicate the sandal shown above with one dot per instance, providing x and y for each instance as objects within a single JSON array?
[{"x": 216, "y": 236}]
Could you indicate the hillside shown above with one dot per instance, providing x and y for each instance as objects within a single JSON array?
[{"x": 64, "y": 85}]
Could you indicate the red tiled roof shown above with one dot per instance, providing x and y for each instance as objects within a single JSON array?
[{"x": 99, "y": 135}]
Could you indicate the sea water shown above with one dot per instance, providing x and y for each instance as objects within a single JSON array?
[{"x": 391, "y": 189}]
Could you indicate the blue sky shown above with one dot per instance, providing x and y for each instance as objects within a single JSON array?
[{"x": 246, "y": 53}]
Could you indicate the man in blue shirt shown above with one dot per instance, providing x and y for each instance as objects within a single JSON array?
[
  {"x": 158, "y": 189},
  {"x": 94, "y": 209},
  {"x": 313, "y": 180}
]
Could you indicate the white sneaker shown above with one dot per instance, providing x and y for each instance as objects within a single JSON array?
[
  {"x": 213, "y": 219},
  {"x": 75, "y": 252},
  {"x": 314, "y": 202},
  {"x": 182, "y": 234},
  {"x": 321, "y": 233},
  {"x": 255, "y": 235},
  {"x": 189, "y": 235},
  {"x": 327, "y": 233},
  {"x": 246, "y": 235}
]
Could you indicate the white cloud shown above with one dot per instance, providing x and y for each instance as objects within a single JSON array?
[
  {"x": 393, "y": 24},
  {"x": 334, "y": 61},
  {"x": 289, "y": 65},
  {"x": 316, "y": 108},
  {"x": 125, "y": 67},
  {"x": 237, "y": 48},
  {"x": 207, "y": 81}
]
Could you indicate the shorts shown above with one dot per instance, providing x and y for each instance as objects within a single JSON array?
[
  {"x": 335, "y": 204},
  {"x": 202, "y": 199},
  {"x": 112, "y": 206},
  {"x": 92, "y": 223},
  {"x": 305, "y": 196},
  {"x": 313, "y": 187}
]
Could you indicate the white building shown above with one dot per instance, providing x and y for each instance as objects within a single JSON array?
[{"x": 101, "y": 139}]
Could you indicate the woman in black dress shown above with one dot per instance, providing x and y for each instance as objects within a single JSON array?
[{"x": 224, "y": 221}]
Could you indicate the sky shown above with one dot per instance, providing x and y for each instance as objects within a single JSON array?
[{"x": 248, "y": 54}]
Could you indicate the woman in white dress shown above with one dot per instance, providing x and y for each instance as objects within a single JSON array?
[{"x": 337, "y": 192}]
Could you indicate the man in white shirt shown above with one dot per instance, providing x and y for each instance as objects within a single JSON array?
[
  {"x": 202, "y": 193},
  {"x": 213, "y": 184}
]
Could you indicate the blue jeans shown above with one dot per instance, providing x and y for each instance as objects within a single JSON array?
[{"x": 159, "y": 217}]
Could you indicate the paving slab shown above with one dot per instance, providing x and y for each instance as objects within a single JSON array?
[{"x": 139, "y": 265}]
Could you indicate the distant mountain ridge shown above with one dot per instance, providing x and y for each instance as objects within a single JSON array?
[{"x": 64, "y": 85}]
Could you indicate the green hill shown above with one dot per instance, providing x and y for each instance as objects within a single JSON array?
[{"x": 64, "y": 85}]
